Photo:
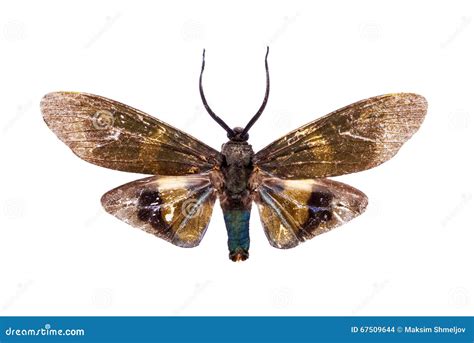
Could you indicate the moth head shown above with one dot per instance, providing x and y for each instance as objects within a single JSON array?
[{"x": 237, "y": 134}]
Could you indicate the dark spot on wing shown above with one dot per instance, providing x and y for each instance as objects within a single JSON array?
[
  {"x": 148, "y": 198},
  {"x": 319, "y": 211},
  {"x": 149, "y": 210},
  {"x": 320, "y": 199},
  {"x": 321, "y": 216}
]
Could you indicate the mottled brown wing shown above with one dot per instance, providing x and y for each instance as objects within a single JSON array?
[
  {"x": 175, "y": 208},
  {"x": 354, "y": 138},
  {"x": 113, "y": 135},
  {"x": 293, "y": 211}
]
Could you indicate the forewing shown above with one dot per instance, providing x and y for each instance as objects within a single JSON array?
[
  {"x": 113, "y": 135},
  {"x": 293, "y": 211},
  {"x": 354, "y": 138},
  {"x": 175, "y": 208}
]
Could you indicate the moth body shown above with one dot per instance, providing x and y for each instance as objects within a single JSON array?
[
  {"x": 235, "y": 196},
  {"x": 287, "y": 180}
]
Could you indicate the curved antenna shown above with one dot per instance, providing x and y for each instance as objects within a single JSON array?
[
  {"x": 219, "y": 121},
  {"x": 265, "y": 99}
]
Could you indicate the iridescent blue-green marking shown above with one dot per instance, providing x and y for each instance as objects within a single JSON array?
[{"x": 237, "y": 225}]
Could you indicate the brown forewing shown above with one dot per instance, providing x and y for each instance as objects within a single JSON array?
[
  {"x": 293, "y": 211},
  {"x": 113, "y": 135},
  {"x": 175, "y": 208},
  {"x": 357, "y": 137}
]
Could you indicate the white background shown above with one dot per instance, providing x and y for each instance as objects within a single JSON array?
[{"x": 411, "y": 253}]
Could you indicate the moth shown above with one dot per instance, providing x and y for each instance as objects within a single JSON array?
[{"x": 287, "y": 179}]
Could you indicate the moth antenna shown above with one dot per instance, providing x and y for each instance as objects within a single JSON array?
[
  {"x": 265, "y": 99},
  {"x": 219, "y": 121}
]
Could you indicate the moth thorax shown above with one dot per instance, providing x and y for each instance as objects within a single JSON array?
[{"x": 237, "y": 153}]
